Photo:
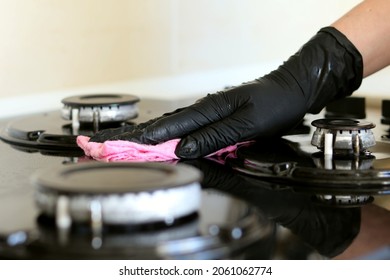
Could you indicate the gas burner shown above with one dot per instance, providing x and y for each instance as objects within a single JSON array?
[
  {"x": 96, "y": 109},
  {"x": 343, "y": 136},
  {"x": 136, "y": 211},
  {"x": 118, "y": 194},
  {"x": 209, "y": 235},
  {"x": 53, "y": 132}
]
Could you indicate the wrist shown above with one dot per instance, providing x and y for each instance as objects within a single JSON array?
[{"x": 327, "y": 67}]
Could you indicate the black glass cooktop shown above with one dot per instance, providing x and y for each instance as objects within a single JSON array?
[{"x": 266, "y": 202}]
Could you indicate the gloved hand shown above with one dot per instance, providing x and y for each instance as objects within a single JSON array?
[{"x": 325, "y": 68}]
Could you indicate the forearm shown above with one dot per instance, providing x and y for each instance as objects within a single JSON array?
[{"x": 367, "y": 26}]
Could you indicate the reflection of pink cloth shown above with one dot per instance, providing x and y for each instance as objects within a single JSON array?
[{"x": 120, "y": 150}]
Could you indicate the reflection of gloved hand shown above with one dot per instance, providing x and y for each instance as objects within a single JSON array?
[
  {"x": 325, "y": 68},
  {"x": 330, "y": 230}
]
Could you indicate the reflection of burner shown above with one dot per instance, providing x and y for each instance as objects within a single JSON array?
[
  {"x": 343, "y": 200},
  {"x": 343, "y": 136},
  {"x": 99, "y": 108},
  {"x": 343, "y": 162}
]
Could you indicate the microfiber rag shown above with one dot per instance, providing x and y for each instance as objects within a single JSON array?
[{"x": 121, "y": 150}]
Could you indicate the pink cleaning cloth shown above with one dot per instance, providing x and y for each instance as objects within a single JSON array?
[{"x": 121, "y": 150}]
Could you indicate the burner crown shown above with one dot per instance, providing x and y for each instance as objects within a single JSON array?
[{"x": 348, "y": 136}]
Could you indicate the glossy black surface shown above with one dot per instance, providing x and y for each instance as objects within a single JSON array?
[
  {"x": 280, "y": 221},
  {"x": 25, "y": 234},
  {"x": 287, "y": 164}
]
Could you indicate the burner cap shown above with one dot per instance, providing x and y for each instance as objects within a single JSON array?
[
  {"x": 118, "y": 193},
  {"x": 97, "y": 100},
  {"x": 343, "y": 124},
  {"x": 100, "y": 108}
]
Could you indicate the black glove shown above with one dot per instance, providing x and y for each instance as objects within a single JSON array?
[{"x": 325, "y": 68}]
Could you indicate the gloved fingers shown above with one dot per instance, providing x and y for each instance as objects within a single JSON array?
[
  {"x": 210, "y": 109},
  {"x": 132, "y": 136},
  {"x": 242, "y": 125},
  {"x": 215, "y": 136},
  {"x": 105, "y": 134},
  {"x": 125, "y": 132},
  {"x": 151, "y": 121}
]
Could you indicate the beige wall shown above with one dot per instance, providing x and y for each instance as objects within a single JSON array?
[{"x": 56, "y": 44}]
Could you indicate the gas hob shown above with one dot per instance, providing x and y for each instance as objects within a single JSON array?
[{"x": 302, "y": 196}]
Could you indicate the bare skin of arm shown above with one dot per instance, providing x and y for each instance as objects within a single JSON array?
[{"x": 367, "y": 26}]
